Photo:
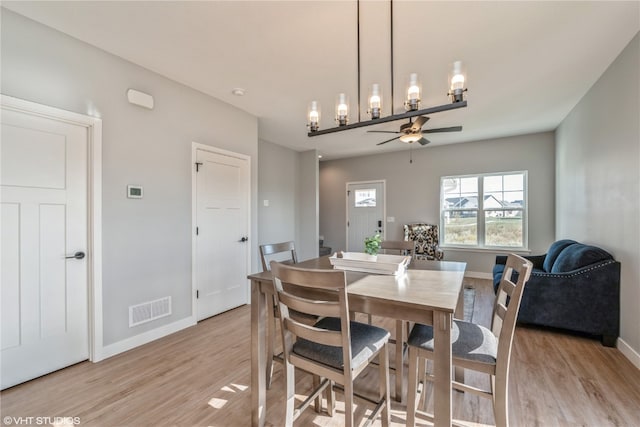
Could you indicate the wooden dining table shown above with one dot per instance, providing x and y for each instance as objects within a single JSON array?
[{"x": 428, "y": 293}]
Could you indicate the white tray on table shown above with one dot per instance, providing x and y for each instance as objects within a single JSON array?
[{"x": 374, "y": 264}]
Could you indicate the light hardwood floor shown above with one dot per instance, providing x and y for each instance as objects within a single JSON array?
[{"x": 200, "y": 377}]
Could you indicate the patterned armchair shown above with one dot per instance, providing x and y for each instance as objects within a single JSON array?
[{"x": 426, "y": 241}]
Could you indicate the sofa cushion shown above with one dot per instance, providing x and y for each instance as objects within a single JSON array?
[
  {"x": 497, "y": 275},
  {"x": 554, "y": 251},
  {"x": 577, "y": 256}
]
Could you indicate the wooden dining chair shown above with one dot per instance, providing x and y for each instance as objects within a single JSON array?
[
  {"x": 335, "y": 349},
  {"x": 284, "y": 252},
  {"x": 476, "y": 347},
  {"x": 400, "y": 247}
]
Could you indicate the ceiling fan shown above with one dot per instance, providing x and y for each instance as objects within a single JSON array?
[{"x": 412, "y": 131}]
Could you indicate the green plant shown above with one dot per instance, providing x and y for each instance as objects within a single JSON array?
[{"x": 372, "y": 244}]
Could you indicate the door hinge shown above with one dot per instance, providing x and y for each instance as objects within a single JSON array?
[
  {"x": 198, "y": 164},
  {"x": 347, "y": 223},
  {"x": 197, "y": 230},
  {"x": 197, "y": 294},
  {"x": 348, "y": 192}
]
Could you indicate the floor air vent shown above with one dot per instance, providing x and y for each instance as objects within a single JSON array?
[{"x": 148, "y": 311}]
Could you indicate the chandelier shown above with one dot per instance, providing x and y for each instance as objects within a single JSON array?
[{"x": 412, "y": 101}]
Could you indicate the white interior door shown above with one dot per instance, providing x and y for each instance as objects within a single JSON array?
[
  {"x": 365, "y": 213},
  {"x": 222, "y": 248},
  {"x": 44, "y": 220}
]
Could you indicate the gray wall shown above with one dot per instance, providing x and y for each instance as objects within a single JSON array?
[
  {"x": 413, "y": 190},
  {"x": 308, "y": 205},
  {"x": 277, "y": 182},
  {"x": 598, "y": 183},
  {"x": 146, "y": 243},
  {"x": 289, "y": 180}
]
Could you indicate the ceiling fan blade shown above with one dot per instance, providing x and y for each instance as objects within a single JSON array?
[
  {"x": 449, "y": 129},
  {"x": 423, "y": 141},
  {"x": 388, "y": 140},
  {"x": 418, "y": 123},
  {"x": 383, "y": 131}
]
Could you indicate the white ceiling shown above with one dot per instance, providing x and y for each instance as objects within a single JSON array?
[{"x": 528, "y": 63}]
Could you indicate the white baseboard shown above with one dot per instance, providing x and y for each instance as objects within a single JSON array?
[
  {"x": 144, "y": 338},
  {"x": 629, "y": 352},
  {"x": 478, "y": 275}
]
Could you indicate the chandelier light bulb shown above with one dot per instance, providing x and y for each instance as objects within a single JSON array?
[
  {"x": 413, "y": 93},
  {"x": 457, "y": 80},
  {"x": 314, "y": 116},
  {"x": 375, "y": 101},
  {"x": 342, "y": 110}
]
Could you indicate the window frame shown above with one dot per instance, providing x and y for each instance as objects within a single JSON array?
[{"x": 481, "y": 213}]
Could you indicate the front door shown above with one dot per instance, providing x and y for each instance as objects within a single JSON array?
[
  {"x": 44, "y": 223},
  {"x": 222, "y": 204},
  {"x": 365, "y": 213}
]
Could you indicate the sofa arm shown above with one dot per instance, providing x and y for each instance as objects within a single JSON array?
[
  {"x": 537, "y": 260},
  {"x": 501, "y": 259},
  {"x": 585, "y": 300}
]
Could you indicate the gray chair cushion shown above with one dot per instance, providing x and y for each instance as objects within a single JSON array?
[
  {"x": 366, "y": 340},
  {"x": 468, "y": 341}
]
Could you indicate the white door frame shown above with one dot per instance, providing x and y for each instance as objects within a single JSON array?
[
  {"x": 384, "y": 211},
  {"x": 195, "y": 146},
  {"x": 94, "y": 207}
]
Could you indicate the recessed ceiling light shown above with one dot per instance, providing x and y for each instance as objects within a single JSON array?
[{"x": 238, "y": 91}]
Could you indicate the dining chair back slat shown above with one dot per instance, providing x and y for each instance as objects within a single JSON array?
[
  {"x": 401, "y": 247},
  {"x": 273, "y": 249},
  {"x": 303, "y": 305},
  {"x": 321, "y": 336}
]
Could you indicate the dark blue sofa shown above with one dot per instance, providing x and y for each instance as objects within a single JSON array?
[{"x": 574, "y": 287}]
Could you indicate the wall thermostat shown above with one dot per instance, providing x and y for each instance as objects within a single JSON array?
[{"x": 134, "y": 191}]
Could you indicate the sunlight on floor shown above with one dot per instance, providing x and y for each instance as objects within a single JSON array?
[{"x": 218, "y": 403}]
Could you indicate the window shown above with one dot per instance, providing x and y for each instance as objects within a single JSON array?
[
  {"x": 484, "y": 211},
  {"x": 365, "y": 198}
]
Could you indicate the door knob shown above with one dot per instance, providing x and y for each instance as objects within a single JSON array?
[
  {"x": 77, "y": 255},
  {"x": 244, "y": 239}
]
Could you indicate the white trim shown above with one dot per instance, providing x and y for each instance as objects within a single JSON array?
[
  {"x": 195, "y": 146},
  {"x": 384, "y": 207},
  {"x": 147, "y": 337},
  {"x": 629, "y": 352},
  {"x": 485, "y": 250},
  {"x": 94, "y": 206},
  {"x": 478, "y": 275}
]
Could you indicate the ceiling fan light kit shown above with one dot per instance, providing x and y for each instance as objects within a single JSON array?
[
  {"x": 412, "y": 137},
  {"x": 410, "y": 133}
]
